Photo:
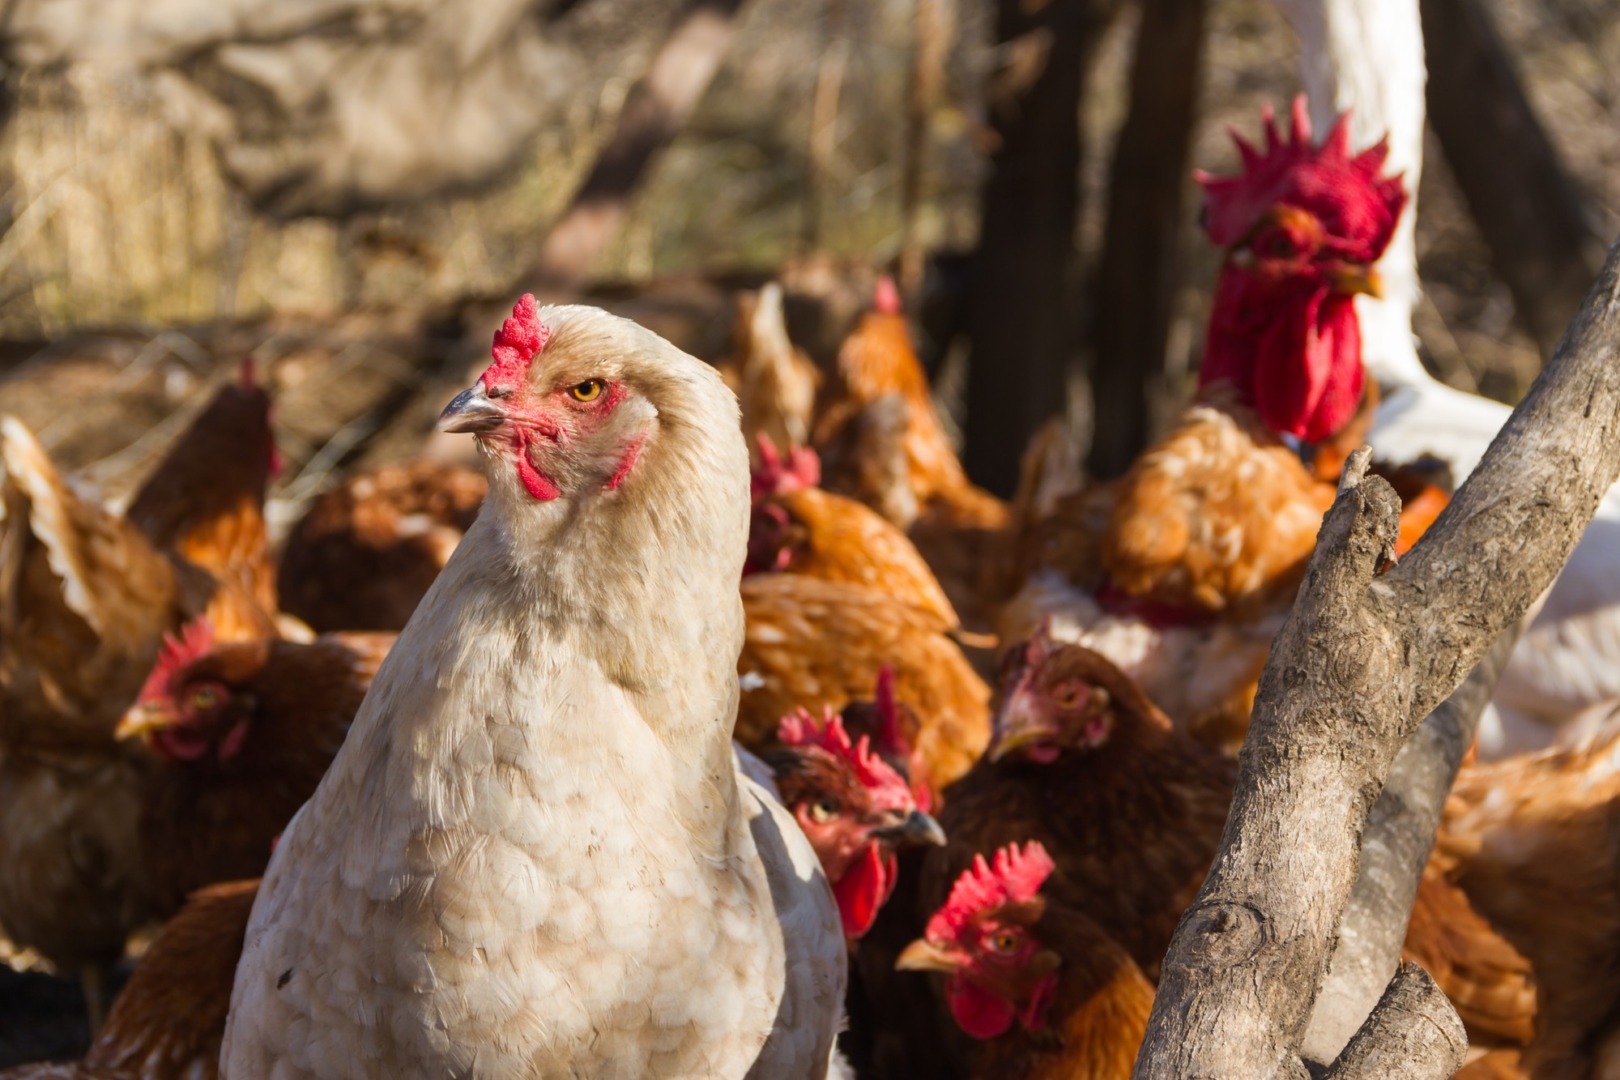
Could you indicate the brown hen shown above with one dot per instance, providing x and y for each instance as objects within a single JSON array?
[
  {"x": 816, "y": 644},
  {"x": 243, "y": 733},
  {"x": 365, "y": 553},
  {"x": 169, "y": 1019},
  {"x": 85, "y": 599},
  {"x": 775, "y": 383}
]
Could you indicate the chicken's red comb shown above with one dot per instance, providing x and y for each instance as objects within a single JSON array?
[
  {"x": 886, "y": 296},
  {"x": 194, "y": 641},
  {"x": 775, "y": 474},
  {"x": 1015, "y": 876},
  {"x": 519, "y": 340},
  {"x": 888, "y": 789},
  {"x": 1345, "y": 192}
]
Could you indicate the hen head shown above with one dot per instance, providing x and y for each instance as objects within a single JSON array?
[
  {"x": 1303, "y": 226},
  {"x": 1056, "y": 697},
  {"x": 775, "y": 537},
  {"x": 191, "y": 706},
  {"x": 985, "y": 939},
  {"x": 854, "y": 807},
  {"x": 567, "y": 410}
]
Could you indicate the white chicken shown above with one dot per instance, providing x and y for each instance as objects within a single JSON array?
[
  {"x": 534, "y": 855},
  {"x": 1367, "y": 56}
]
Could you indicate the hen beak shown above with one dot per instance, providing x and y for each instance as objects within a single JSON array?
[
  {"x": 921, "y": 955},
  {"x": 1353, "y": 280},
  {"x": 1015, "y": 735},
  {"x": 143, "y": 719},
  {"x": 915, "y": 828},
  {"x": 472, "y": 411}
]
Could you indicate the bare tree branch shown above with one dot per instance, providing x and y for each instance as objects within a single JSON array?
[
  {"x": 1412, "y": 1034},
  {"x": 1360, "y": 660},
  {"x": 1394, "y": 850}
]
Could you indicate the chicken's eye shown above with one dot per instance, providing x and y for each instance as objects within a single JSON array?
[
  {"x": 1278, "y": 245},
  {"x": 589, "y": 390},
  {"x": 823, "y": 811},
  {"x": 1004, "y": 941},
  {"x": 1069, "y": 696},
  {"x": 204, "y": 698}
]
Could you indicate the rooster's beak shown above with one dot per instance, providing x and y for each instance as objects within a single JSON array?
[
  {"x": 915, "y": 828},
  {"x": 472, "y": 411},
  {"x": 921, "y": 955},
  {"x": 1353, "y": 279},
  {"x": 142, "y": 719}
]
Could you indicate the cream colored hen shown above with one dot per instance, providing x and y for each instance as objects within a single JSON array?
[{"x": 534, "y": 855}]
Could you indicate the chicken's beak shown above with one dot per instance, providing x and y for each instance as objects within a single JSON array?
[
  {"x": 922, "y": 955},
  {"x": 915, "y": 828},
  {"x": 1014, "y": 730},
  {"x": 1355, "y": 280},
  {"x": 143, "y": 719},
  {"x": 472, "y": 411}
]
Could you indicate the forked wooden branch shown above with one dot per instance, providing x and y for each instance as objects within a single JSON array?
[{"x": 1360, "y": 661}]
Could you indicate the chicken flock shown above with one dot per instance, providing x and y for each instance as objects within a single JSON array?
[{"x": 501, "y": 773}]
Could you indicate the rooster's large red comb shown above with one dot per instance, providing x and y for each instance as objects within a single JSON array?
[{"x": 1346, "y": 192}]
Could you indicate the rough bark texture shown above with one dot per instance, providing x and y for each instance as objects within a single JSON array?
[
  {"x": 1362, "y": 658},
  {"x": 1542, "y": 243},
  {"x": 1412, "y": 1034},
  {"x": 1394, "y": 850},
  {"x": 1139, "y": 272},
  {"x": 656, "y": 109},
  {"x": 1019, "y": 313}
]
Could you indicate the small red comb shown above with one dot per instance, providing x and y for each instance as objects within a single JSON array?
[
  {"x": 1014, "y": 876},
  {"x": 1346, "y": 192},
  {"x": 886, "y": 296},
  {"x": 193, "y": 642},
  {"x": 800, "y": 729},
  {"x": 775, "y": 475},
  {"x": 519, "y": 340}
]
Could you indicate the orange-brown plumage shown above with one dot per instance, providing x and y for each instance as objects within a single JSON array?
[
  {"x": 1532, "y": 840},
  {"x": 815, "y": 643},
  {"x": 366, "y": 551},
  {"x": 230, "y": 777},
  {"x": 775, "y": 383},
  {"x": 169, "y": 1019},
  {"x": 85, "y": 599}
]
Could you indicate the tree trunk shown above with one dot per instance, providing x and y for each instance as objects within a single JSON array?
[
  {"x": 1020, "y": 318},
  {"x": 1139, "y": 272},
  {"x": 1542, "y": 243},
  {"x": 1361, "y": 659}
]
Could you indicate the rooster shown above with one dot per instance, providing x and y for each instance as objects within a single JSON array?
[
  {"x": 1044, "y": 989},
  {"x": 365, "y": 552},
  {"x": 85, "y": 600},
  {"x": 534, "y": 849},
  {"x": 1182, "y": 570},
  {"x": 1368, "y": 54},
  {"x": 243, "y": 732}
]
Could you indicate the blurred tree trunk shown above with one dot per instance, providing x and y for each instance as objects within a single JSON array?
[
  {"x": 1542, "y": 243},
  {"x": 1138, "y": 274},
  {"x": 1020, "y": 314}
]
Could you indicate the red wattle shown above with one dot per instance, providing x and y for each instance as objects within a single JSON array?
[
  {"x": 980, "y": 1013},
  {"x": 863, "y": 889}
]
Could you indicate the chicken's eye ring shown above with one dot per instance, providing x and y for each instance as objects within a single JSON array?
[
  {"x": 823, "y": 810},
  {"x": 1003, "y": 941},
  {"x": 1069, "y": 696},
  {"x": 587, "y": 391},
  {"x": 204, "y": 698}
]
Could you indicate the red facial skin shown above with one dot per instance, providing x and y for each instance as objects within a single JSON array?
[
  {"x": 1040, "y": 715},
  {"x": 860, "y": 866},
  {"x": 1000, "y": 979},
  {"x": 544, "y": 427},
  {"x": 196, "y": 720}
]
